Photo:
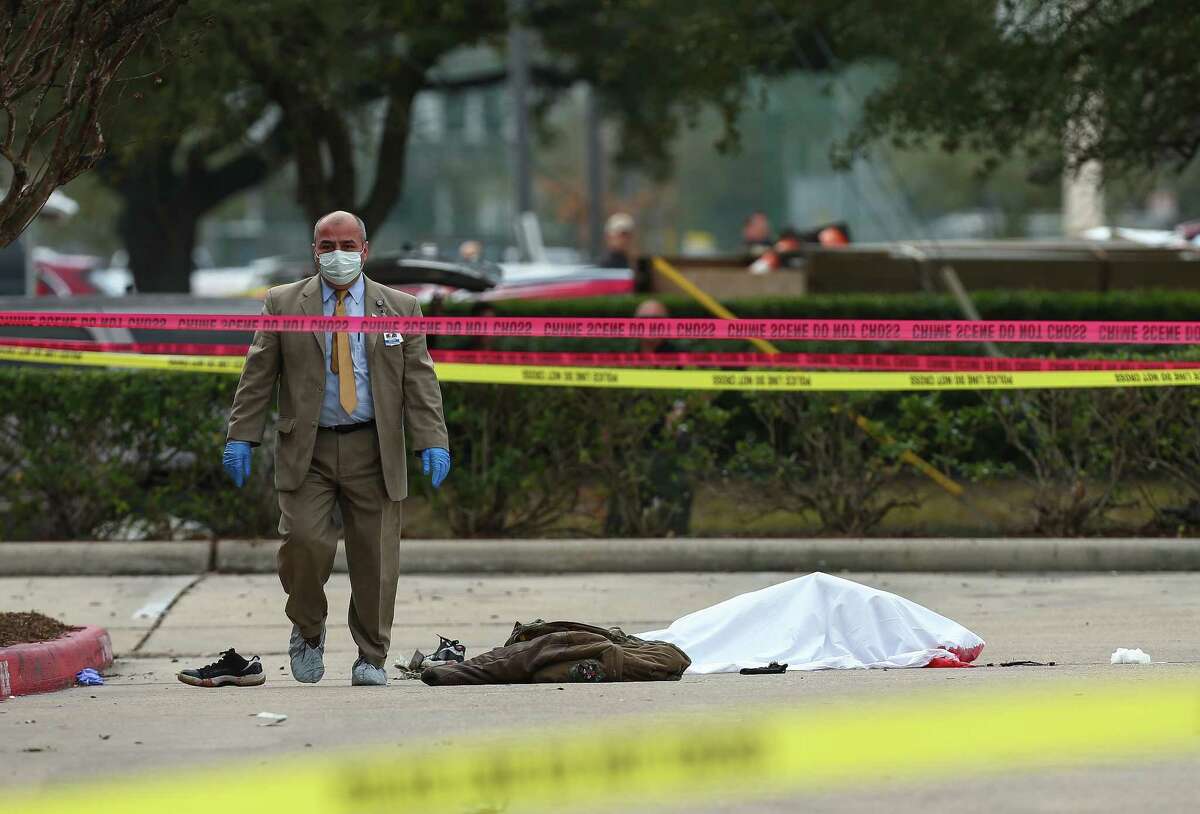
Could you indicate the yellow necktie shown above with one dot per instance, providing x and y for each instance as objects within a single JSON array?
[{"x": 339, "y": 360}]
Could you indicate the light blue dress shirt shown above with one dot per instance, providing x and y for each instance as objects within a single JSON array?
[{"x": 332, "y": 413}]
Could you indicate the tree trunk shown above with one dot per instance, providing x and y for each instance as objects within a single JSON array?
[
  {"x": 325, "y": 185},
  {"x": 159, "y": 240},
  {"x": 157, "y": 228},
  {"x": 163, "y": 206}
]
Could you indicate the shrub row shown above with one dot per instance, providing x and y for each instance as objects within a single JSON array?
[
  {"x": 95, "y": 453},
  {"x": 108, "y": 454}
]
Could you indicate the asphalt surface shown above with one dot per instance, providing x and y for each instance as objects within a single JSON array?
[{"x": 144, "y": 721}]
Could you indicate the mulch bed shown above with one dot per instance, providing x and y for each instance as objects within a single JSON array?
[{"x": 22, "y": 628}]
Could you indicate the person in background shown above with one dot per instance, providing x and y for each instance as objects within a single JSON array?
[
  {"x": 833, "y": 236},
  {"x": 618, "y": 242},
  {"x": 667, "y": 492},
  {"x": 471, "y": 251},
  {"x": 653, "y": 309},
  {"x": 485, "y": 310},
  {"x": 756, "y": 233},
  {"x": 790, "y": 241}
]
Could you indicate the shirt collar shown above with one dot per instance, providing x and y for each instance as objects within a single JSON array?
[{"x": 355, "y": 291}]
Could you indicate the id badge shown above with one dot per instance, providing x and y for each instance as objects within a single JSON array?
[{"x": 392, "y": 340}]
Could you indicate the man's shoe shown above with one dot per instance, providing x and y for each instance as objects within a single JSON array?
[
  {"x": 230, "y": 670},
  {"x": 366, "y": 674},
  {"x": 308, "y": 656},
  {"x": 449, "y": 651}
]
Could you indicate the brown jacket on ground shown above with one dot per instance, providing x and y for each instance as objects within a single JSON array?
[
  {"x": 560, "y": 652},
  {"x": 404, "y": 387}
]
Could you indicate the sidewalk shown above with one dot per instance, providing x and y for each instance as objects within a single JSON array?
[{"x": 726, "y": 555}]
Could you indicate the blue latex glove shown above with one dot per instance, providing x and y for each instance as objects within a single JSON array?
[
  {"x": 88, "y": 677},
  {"x": 237, "y": 461},
  {"x": 436, "y": 463}
]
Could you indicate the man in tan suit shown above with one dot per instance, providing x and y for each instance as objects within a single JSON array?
[{"x": 344, "y": 402}]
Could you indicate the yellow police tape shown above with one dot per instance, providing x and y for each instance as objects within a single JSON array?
[
  {"x": 659, "y": 379},
  {"x": 630, "y": 765}
]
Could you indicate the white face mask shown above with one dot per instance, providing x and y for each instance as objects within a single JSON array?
[{"x": 339, "y": 267}]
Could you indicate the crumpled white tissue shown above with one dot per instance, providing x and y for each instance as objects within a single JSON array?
[{"x": 1129, "y": 656}]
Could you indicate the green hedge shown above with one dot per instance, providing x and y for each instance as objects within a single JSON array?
[
  {"x": 106, "y": 454},
  {"x": 88, "y": 453}
]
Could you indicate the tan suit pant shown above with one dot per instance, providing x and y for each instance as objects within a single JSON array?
[{"x": 345, "y": 469}]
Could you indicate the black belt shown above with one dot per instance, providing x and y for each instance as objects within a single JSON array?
[{"x": 344, "y": 428}]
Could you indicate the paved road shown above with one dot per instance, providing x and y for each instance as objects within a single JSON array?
[{"x": 154, "y": 723}]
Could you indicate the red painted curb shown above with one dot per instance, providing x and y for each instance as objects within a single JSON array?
[{"x": 48, "y": 666}]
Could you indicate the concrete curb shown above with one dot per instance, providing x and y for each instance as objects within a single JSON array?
[
  {"x": 630, "y": 556},
  {"x": 46, "y": 666},
  {"x": 104, "y": 559}
]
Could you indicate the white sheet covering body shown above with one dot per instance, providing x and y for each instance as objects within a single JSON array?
[{"x": 817, "y": 622}]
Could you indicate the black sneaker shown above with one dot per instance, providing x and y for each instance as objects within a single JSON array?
[{"x": 231, "y": 669}]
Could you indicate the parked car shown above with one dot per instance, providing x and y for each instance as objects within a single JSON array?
[
  {"x": 429, "y": 278},
  {"x": 65, "y": 275}
]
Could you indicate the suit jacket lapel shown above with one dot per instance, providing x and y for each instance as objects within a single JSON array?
[
  {"x": 372, "y": 296},
  {"x": 310, "y": 304}
]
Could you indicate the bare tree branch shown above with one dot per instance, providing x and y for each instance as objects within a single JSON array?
[{"x": 58, "y": 59}]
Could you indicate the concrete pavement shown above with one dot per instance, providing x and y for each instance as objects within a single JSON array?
[{"x": 145, "y": 721}]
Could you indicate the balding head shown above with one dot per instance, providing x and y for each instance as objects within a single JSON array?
[
  {"x": 651, "y": 309},
  {"x": 339, "y": 220}
]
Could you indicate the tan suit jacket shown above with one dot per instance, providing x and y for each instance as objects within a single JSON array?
[{"x": 404, "y": 387}]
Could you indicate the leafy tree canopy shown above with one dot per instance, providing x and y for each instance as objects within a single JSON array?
[
  {"x": 1076, "y": 80},
  {"x": 330, "y": 84}
]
